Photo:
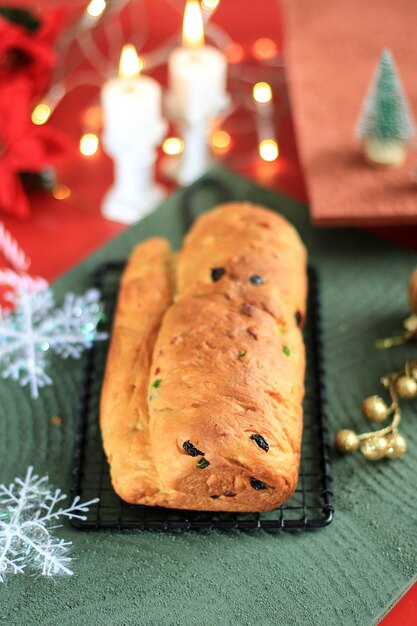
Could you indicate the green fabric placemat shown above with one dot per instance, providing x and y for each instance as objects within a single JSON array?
[{"x": 347, "y": 573}]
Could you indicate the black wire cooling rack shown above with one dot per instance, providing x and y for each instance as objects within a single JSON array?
[{"x": 311, "y": 505}]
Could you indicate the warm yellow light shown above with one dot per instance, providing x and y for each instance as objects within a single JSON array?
[
  {"x": 209, "y": 5},
  {"x": 89, "y": 144},
  {"x": 130, "y": 64},
  {"x": 92, "y": 119},
  {"x": 268, "y": 150},
  {"x": 234, "y": 52},
  {"x": 192, "y": 27},
  {"x": 41, "y": 114},
  {"x": 173, "y": 145},
  {"x": 262, "y": 92},
  {"x": 220, "y": 140},
  {"x": 61, "y": 192},
  {"x": 265, "y": 48},
  {"x": 96, "y": 8}
]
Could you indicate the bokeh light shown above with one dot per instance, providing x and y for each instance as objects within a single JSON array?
[
  {"x": 89, "y": 144},
  {"x": 268, "y": 150},
  {"x": 264, "y": 49},
  {"x": 61, "y": 192},
  {"x": 96, "y": 8},
  {"x": 220, "y": 141},
  {"x": 41, "y": 113},
  {"x": 92, "y": 119},
  {"x": 172, "y": 146},
  {"x": 234, "y": 53},
  {"x": 262, "y": 92}
]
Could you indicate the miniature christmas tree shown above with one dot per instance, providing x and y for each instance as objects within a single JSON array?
[{"x": 385, "y": 124}]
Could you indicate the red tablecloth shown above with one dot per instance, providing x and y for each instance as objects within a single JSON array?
[{"x": 60, "y": 233}]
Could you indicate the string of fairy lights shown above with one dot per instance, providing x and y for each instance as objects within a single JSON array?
[{"x": 101, "y": 19}]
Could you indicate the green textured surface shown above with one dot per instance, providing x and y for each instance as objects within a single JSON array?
[{"x": 347, "y": 573}]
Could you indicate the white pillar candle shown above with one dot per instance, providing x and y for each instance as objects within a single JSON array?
[
  {"x": 196, "y": 156},
  {"x": 197, "y": 82},
  {"x": 197, "y": 76},
  {"x": 133, "y": 127}
]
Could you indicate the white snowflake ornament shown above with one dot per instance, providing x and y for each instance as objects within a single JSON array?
[
  {"x": 28, "y": 514},
  {"x": 37, "y": 327}
]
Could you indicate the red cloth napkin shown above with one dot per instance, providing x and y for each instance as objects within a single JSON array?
[{"x": 332, "y": 49}]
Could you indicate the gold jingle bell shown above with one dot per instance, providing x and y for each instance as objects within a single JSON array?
[
  {"x": 375, "y": 409},
  {"x": 410, "y": 323},
  {"x": 346, "y": 441},
  {"x": 406, "y": 387},
  {"x": 374, "y": 448},
  {"x": 396, "y": 446}
]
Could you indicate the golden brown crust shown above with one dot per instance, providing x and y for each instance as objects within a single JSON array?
[
  {"x": 412, "y": 291},
  {"x": 144, "y": 296},
  {"x": 227, "y": 368}
]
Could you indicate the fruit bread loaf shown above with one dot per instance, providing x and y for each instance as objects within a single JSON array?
[{"x": 201, "y": 403}]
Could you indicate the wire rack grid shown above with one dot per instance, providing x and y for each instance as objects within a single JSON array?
[{"x": 309, "y": 508}]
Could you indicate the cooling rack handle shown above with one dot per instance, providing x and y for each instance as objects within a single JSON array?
[{"x": 221, "y": 191}]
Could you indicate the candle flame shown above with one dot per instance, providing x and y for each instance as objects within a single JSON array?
[
  {"x": 193, "y": 27},
  {"x": 209, "y": 5},
  {"x": 130, "y": 63}
]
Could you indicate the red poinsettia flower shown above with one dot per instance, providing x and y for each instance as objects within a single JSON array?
[
  {"x": 24, "y": 147},
  {"x": 30, "y": 52}
]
